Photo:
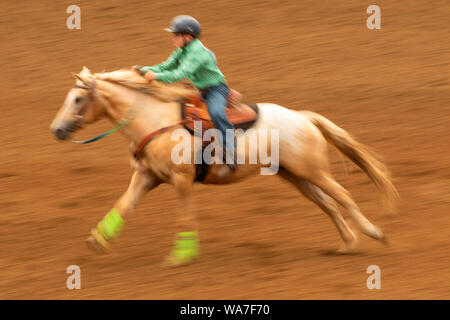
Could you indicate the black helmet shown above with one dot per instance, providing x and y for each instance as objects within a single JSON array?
[{"x": 185, "y": 24}]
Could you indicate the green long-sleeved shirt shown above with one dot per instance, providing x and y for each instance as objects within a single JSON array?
[{"x": 194, "y": 62}]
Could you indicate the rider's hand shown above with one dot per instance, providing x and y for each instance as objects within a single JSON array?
[
  {"x": 150, "y": 75},
  {"x": 136, "y": 68}
]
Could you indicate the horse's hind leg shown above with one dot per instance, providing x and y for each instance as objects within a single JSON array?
[
  {"x": 110, "y": 226},
  {"x": 328, "y": 205},
  {"x": 330, "y": 186}
]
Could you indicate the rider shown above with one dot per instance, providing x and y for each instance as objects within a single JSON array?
[{"x": 193, "y": 61}]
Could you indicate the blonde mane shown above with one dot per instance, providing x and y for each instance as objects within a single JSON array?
[{"x": 161, "y": 91}]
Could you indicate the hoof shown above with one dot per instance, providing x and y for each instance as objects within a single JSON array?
[
  {"x": 96, "y": 243},
  {"x": 349, "y": 246},
  {"x": 347, "y": 249},
  {"x": 385, "y": 240},
  {"x": 223, "y": 171},
  {"x": 380, "y": 236},
  {"x": 176, "y": 261}
]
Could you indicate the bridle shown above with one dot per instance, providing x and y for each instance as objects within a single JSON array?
[{"x": 90, "y": 96}]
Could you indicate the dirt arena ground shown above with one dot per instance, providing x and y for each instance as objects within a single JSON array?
[{"x": 260, "y": 239}]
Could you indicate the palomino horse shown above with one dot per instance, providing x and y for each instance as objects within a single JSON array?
[{"x": 303, "y": 157}]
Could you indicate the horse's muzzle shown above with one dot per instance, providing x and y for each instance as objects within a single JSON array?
[{"x": 63, "y": 132}]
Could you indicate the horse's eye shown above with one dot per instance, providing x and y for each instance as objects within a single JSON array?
[{"x": 78, "y": 99}]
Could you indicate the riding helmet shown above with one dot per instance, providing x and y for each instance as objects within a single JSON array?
[{"x": 185, "y": 24}]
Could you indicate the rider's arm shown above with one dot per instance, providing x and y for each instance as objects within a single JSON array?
[
  {"x": 169, "y": 64},
  {"x": 187, "y": 68}
]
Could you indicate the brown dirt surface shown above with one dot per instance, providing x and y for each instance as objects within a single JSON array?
[{"x": 260, "y": 239}]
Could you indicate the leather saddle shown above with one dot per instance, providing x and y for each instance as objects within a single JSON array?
[{"x": 241, "y": 115}]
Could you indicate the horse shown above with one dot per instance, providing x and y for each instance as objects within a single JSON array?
[{"x": 303, "y": 138}]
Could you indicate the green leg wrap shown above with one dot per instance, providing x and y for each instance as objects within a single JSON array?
[
  {"x": 186, "y": 246},
  {"x": 111, "y": 225}
]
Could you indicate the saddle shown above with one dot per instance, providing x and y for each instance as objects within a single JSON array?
[{"x": 241, "y": 115}]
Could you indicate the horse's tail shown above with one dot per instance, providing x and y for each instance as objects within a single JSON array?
[{"x": 359, "y": 154}]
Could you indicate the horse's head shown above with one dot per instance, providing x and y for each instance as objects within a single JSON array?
[{"x": 81, "y": 106}]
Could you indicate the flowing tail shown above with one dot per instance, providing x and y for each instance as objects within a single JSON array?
[{"x": 360, "y": 155}]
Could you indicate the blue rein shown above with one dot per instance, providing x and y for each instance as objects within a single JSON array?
[{"x": 121, "y": 124}]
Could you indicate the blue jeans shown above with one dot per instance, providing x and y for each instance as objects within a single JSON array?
[{"x": 216, "y": 100}]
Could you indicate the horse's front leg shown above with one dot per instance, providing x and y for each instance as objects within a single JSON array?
[
  {"x": 109, "y": 227},
  {"x": 186, "y": 246}
]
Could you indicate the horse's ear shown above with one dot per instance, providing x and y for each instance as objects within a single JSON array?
[
  {"x": 85, "y": 71},
  {"x": 82, "y": 79}
]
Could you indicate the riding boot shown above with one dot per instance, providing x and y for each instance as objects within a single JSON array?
[{"x": 231, "y": 161}]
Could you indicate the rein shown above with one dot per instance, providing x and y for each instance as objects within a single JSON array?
[{"x": 121, "y": 124}]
